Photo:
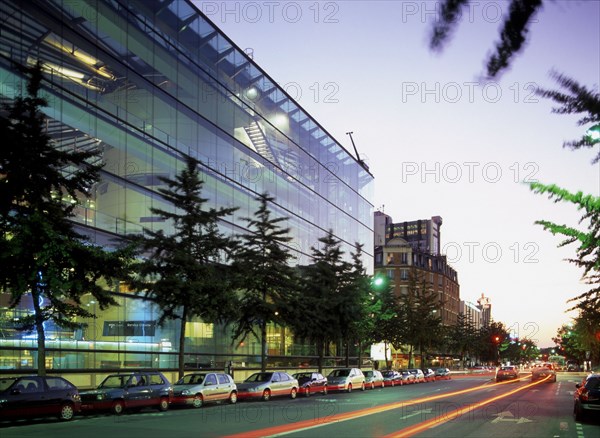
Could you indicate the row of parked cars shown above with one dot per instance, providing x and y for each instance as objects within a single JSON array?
[{"x": 39, "y": 396}]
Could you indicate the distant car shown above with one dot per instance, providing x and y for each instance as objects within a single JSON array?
[
  {"x": 374, "y": 378},
  {"x": 346, "y": 379},
  {"x": 266, "y": 385},
  {"x": 587, "y": 398},
  {"x": 391, "y": 378},
  {"x": 541, "y": 371},
  {"x": 429, "y": 374},
  {"x": 407, "y": 377},
  {"x": 119, "y": 392},
  {"x": 199, "y": 388},
  {"x": 507, "y": 372},
  {"x": 419, "y": 375},
  {"x": 35, "y": 396},
  {"x": 442, "y": 373},
  {"x": 311, "y": 383}
]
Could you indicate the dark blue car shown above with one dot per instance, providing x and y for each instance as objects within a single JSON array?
[{"x": 36, "y": 396}]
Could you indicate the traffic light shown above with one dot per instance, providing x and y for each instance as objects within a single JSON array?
[{"x": 378, "y": 282}]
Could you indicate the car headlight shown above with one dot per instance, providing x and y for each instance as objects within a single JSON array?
[{"x": 185, "y": 392}]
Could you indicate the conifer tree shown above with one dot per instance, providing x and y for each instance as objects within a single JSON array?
[
  {"x": 43, "y": 258},
  {"x": 185, "y": 272},
  {"x": 267, "y": 282}
]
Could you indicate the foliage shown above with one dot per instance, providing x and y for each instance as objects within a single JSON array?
[
  {"x": 574, "y": 98},
  {"x": 513, "y": 34},
  {"x": 266, "y": 280},
  {"x": 185, "y": 273},
  {"x": 588, "y": 252},
  {"x": 41, "y": 254},
  {"x": 421, "y": 321},
  {"x": 320, "y": 302},
  {"x": 461, "y": 337}
]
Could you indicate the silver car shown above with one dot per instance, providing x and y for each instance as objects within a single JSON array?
[
  {"x": 374, "y": 378},
  {"x": 199, "y": 388},
  {"x": 346, "y": 379}
]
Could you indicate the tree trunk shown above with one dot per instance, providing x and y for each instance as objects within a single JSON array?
[
  {"x": 410, "y": 356},
  {"x": 182, "y": 343},
  {"x": 387, "y": 364},
  {"x": 320, "y": 348},
  {"x": 41, "y": 334},
  {"x": 359, "y": 354},
  {"x": 263, "y": 346},
  {"x": 347, "y": 354}
]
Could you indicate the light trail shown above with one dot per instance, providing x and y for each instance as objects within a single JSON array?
[
  {"x": 289, "y": 428},
  {"x": 412, "y": 430}
]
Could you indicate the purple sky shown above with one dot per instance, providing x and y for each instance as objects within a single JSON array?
[{"x": 440, "y": 141}]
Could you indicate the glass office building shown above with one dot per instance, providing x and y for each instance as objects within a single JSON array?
[{"x": 149, "y": 82}]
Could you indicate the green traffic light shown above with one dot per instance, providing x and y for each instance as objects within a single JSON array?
[{"x": 593, "y": 134}]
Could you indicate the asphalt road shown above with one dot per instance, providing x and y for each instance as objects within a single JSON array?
[{"x": 473, "y": 406}]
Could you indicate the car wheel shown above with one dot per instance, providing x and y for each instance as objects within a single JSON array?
[
  {"x": 266, "y": 395},
  {"x": 307, "y": 391},
  {"x": 197, "y": 401},
  {"x": 363, "y": 387},
  {"x": 349, "y": 387},
  {"x": 392, "y": 385},
  {"x": 293, "y": 393},
  {"x": 233, "y": 398},
  {"x": 325, "y": 391},
  {"x": 66, "y": 412},
  {"x": 372, "y": 385},
  {"x": 118, "y": 407},
  {"x": 383, "y": 384},
  {"x": 163, "y": 405}
]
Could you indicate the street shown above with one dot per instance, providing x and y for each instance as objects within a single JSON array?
[{"x": 470, "y": 406}]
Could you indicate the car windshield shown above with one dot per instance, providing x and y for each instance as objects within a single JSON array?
[
  {"x": 339, "y": 373},
  {"x": 388, "y": 373},
  {"x": 368, "y": 373},
  {"x": 259, "y": 377},
  {"x": 191, "y": 379},
  {"x": 507, "y": 368},
  {"x": 302, "y": 376},
  {"x": 114, "y": 382},
  {"x": 6, "y": 382}
]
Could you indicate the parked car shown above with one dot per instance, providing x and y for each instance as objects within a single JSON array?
[
  {"x": 266, "y": 385},
  {"x": 35, "y": 396},
  {"x": 374, "y": 378},
  {"x": 310, "y": 383},
  {"x": 391, "y": 378},
  {"x": 346, "y": 379},
  {"x": 442, "y": 373},
  {"x": 119, "y": 392},
  {"x": 507, "y": 372},
  {"x": 429, "y": 374},
  {"x": 419, "y": 375},
  {"x": 587, "y": 398},
  {"x": 541, "y": 371},
  {"x": 407, "y": 377},
  {"x": 199, "y": 388}
]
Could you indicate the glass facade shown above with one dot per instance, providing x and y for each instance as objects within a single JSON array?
[{"x": 148, "y": 82}]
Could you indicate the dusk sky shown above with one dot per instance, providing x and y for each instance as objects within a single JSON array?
[{"x": 441, "y": 141}]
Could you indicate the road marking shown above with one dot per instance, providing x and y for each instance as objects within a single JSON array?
[{"x": 508, "y": 416}]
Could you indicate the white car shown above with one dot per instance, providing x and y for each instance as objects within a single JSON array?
[
  {"x": 346, "y": 379},
  {"x": 419, "y": 375}
]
